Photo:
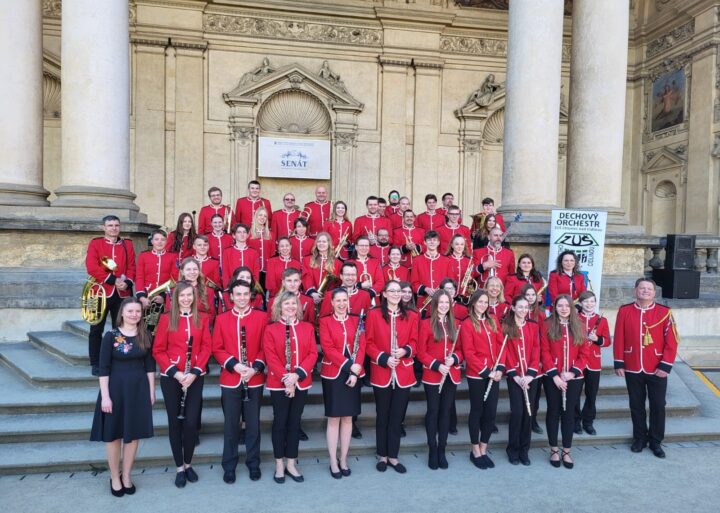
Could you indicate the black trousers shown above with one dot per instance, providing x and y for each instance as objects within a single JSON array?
[
  {"x": 555, "y": 414},
  {"x": 535, "y": 405},
  {"x": 390, "y": 405},
  {"x": 183, "y": 434},
  {"x": 232, "y": 405},
  {"x": 287, "y": 412},
  {"x": 520, "y": 422},
  {"x": 591, "y": 386},
  {"x": 96, "y": 332},
  {"x": 439, "y": 407},
  {"x": 481, "y": 420},
  {"x": 641, "y": 386}
]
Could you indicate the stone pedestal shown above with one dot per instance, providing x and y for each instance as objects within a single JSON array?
[
  {"x": 21, "y": 105},
  {"x": 96, "y": 106}
]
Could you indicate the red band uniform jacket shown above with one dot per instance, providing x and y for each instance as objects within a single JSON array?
[
  {"x": 122, "y": 253},
  {"x": 602, "y": 330},
  {"x": 645, "y": 339},
  {"x": 170, "y": 346},
  {"x": 563, "y": 284},
  {"x": 303, "y": 353},
  {"x": 432, "y": 353},
  {"x": 378, "y": 348},
  {"x": 562, "y": 355},
  {"x": 482, "y": 349},
  {"x": 523, "y": 353},
  {"x": 153, "y": 269},
  {"x": 504, "y": 255},
  {"x": 227, "y": 343},
  {"x": 337, "y": 339}
]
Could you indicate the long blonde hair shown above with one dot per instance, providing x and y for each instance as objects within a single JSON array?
[
  {"x": 255, "y": 226},
  {"x": 276, "y": 313},
  {"x": 501, "y": 296},
  {"x": 315, "y": 258}
]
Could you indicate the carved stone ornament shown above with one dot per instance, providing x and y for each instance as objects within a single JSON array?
[
  {"x": 474, "y": 45},
  {"x": 291, "y": 29},
  {"x": 471, "y": 145},
  {"x": 52, "y": 8},
  {"x": 345, "y": 140},
  {"x": 258, "y": 73},
  {"x": 295, "y": 112},
  {"x": 674, "y": 37},
  {"x": 484, "y": 95},
  {"x": 51, "y": 95},
  {"x": 331, "y": 77}
]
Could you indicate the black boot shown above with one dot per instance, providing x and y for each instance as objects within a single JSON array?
[
  {"x": 433, "y": 457},
  {"x": 442, "y": 460}
]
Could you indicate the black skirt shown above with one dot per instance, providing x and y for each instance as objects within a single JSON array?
[{"x": 341, "y": 400}]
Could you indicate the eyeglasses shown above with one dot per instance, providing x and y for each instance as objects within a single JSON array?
[
  {"x": 289, "y": 199},
  {"x": 394, "y": 291}
]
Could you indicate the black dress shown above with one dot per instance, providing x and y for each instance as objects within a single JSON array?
[{"x": 127, "y": 366}]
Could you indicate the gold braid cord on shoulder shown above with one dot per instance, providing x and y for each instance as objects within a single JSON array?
[{"x": 647, "y": 337}]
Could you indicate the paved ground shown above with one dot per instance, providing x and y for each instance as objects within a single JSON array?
[{"x": 604, "y": 479}]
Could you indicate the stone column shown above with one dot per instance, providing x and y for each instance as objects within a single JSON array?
[
  {"x": 21, "y": 105},
  {"x": 532, "y": 109},
  {"x": 598, "y": 76},
  {"x": 95, "y": 106}
]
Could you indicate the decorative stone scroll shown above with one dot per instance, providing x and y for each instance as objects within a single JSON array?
[
  {"x": 674, "y": 37},
  {"x": 292, "y": 29},
  {"x": 474, "y": 45}
]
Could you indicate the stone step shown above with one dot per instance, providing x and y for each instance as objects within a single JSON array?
[
  {"x": 68, "y": 346},
  {"x": 79, "y": 455},
  {"x": 40, "y": 287},
  {"x": 16, "y": 428},
  {"x": 701, "y": 351}
]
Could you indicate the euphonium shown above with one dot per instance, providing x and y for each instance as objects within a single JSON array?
[{"x": 93, "y": 302}]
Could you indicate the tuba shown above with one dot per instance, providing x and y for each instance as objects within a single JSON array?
[{"x": 93, "y": 300}]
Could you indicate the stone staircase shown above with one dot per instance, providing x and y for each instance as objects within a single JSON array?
[{"x": 47, "y": 399}]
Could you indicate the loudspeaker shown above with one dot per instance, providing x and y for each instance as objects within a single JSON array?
[
  {"x": 680, "y": 251},
  {"x": 680, "y": 284}
]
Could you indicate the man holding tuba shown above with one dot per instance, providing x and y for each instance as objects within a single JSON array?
[
  {"x": 110, "y": 262},
  {"x": 155, "y": 267}
]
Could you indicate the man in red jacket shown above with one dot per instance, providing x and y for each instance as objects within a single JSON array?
[
  {"x": 110, "y": 261},
  {"x": 644, "y": 349},
  {"x": 215, "y": 207}
]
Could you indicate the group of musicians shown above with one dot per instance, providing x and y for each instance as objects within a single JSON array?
[{"x": 390, "y": 299}]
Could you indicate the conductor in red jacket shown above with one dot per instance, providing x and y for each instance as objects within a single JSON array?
[{"x": 644, "y": 349}]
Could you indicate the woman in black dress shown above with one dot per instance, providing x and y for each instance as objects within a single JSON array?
[
  {"x": 123, "y": 412},
  {"x": 343, "y": 345}
]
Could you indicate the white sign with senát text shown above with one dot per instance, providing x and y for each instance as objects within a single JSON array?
[
  {"x": 583, "y": 232},
  {"x": 280, "y": 157}
]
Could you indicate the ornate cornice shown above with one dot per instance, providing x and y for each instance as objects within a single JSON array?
[
  {"x": 292, "y": 29},
  {"x": 669, "y": 40},
  {"x": 486, "y": 46}
]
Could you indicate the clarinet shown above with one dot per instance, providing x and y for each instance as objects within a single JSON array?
[
  {"x": 356, "y": 342},
  {"x": 452, "y": 350},
  {"x": 243, "y": 359},
  {"x": 181, "y": 415},
  {"x": 288, "y": 350}
]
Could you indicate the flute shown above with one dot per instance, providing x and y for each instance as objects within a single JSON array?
[
  {"x": 564, "y": 370},
  {"x": 452, "y": 350},
  {"x": 497, "y": 362},
  {"x": 181, "y": 414},
  {"x": 524, "y": 389}
]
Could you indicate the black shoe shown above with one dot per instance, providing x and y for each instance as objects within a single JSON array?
[
  {"x": 255, "y": 474},
  {"x": 495, "y": 429},
  {"x": 403, "y": 433},
  {"x": 578, "y": 429},
  {"x": 345, "y": 472},
  {"x": 95, "y": 371},
  {"x": 336, "y": 475},
  {"x": 638, "y": 445},
  {"x": 657, "y": 450},
  {"x": 241, "y": 436},
  {"x": 298, "y": 478},
  {"x": 303, "y": 435},
  {"x": 191, "y": 475},
  {"x": 381, "y": 466},
  {"x": 398, "y": 467},
  {"x": 490, "y": 463},
  {"x": 117, "y": 493},
  {"x": 590, "y": 430},
  {"x": 442, "y": 459},
  {"x": 356, "y": 434},
  {"x": 129, "y": 491},
  {"x": 525, "y": 460},
  {"x": 433, "y": 458},
  {"x": 453, "y": 431},
  {"x": 514, "y": 461},
  {"x": 536, "y": 428},
  {"x": 180, "y": 479},
  {"x": 279, "y": 480},
  {"x": 229, "y": 476},
  {"x": 555, "y": 463},
  {"x": 565, "y": 463},
  {"x": 479, "y": 462}
]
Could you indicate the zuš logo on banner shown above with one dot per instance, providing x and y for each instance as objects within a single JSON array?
[{"x": 294, "y": 159}]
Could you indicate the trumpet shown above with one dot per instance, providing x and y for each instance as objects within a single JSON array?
[
  {"x": 341, "y": 244},
  {"x": 468, "y": 285},
  {"x": 414, "y": 252},
  {"x": 154, "y": 310},
  {"x": 93, "y": 299}
]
